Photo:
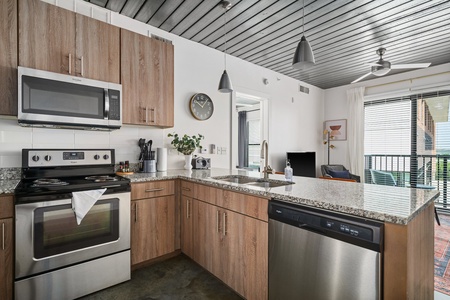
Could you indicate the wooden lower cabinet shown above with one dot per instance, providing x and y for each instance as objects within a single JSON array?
[
  {"x": 231, "y": 245},
  {"x": 152, "y": 228},
  {"x": 6, "y": 247}
]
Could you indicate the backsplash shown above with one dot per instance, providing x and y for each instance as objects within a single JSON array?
[{"x": 14, "y": 138}]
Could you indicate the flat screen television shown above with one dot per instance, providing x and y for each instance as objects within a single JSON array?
[{"x": 303, "y": 163}]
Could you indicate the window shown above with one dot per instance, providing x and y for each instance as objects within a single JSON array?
[{"x": 409, "y": 137}]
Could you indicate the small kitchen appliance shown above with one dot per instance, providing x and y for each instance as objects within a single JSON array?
[
  {"x": 55, "y": 257},
  {"x": 201, "y": 163},
  {"x": 47, "y": 99}
]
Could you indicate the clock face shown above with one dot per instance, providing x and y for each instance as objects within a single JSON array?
[{"x": 201, "y": 106}]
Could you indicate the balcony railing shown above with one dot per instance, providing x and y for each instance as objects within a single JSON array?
[{"x": 409, "y": 171}]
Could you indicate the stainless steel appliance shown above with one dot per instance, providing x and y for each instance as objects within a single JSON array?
[
  {"x": 55, "y": 257},
  {"x": 47, "y": 99},
  {"x": 201, "y": 163},
  {"x": 314, "y": 254}
]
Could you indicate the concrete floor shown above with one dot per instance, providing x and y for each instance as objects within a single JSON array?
[{"x": 175, "y": 278}]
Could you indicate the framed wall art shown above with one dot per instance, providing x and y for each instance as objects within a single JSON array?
[{"x": 337, "y": 129}]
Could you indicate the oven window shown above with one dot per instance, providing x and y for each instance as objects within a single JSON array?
[
  {"x": 56, "y": 230},
  {"x": 51, "y": 97}
]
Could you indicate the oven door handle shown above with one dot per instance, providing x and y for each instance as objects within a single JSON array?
[{"x": 110, "y": 186}]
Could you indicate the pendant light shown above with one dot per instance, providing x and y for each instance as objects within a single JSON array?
[
  {"x": 304, "y": 56},
  {"x": 225, "y": 82}
]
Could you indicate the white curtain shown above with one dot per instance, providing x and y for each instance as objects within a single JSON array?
[{"x": 355, "y": 131}]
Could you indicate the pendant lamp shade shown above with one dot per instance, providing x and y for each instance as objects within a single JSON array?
[
  {"x": 225, "y": 82},
  {"x": 225, "y": 85},
  {"x": 304, "y": 56}
]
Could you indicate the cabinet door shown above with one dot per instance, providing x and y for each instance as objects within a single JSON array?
[
  {"x": 246, "y": 254},
  {"x": 152, "y": 228},
  {"x": 8, "y": 57},
  {"x": 187, "y": 226},
  {"x": 147, "y": 80},
  {"x": 135, "y": 77},
  {"x": 46, "y": 37},
  {"x": 161, "y": 84},
  {"x": 6, "y": 258},
  {"x": 97, "y": 50},
  {"x": 206, "y": 235}
]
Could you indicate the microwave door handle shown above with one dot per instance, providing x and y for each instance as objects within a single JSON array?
[{"x": 106, "y": 113}]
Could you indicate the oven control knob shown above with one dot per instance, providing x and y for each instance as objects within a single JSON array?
[
  {"x": 96, "y": 156},
  {"x": 47, "y": 158},
  {"x": 35, "y": 158},
  {"x": 106, "y": 156}
]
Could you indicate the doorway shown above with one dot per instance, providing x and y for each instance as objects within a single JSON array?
[{"x": 249, "y": 129}]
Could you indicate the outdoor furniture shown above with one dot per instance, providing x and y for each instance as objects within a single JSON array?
[
  {"x": 386, "y": 178},
  {"x": 339, "y": 171}
]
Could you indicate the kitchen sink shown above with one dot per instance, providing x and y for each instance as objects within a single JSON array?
[
  {"x": 253, "y": 181},
  {"x": 236, "y": 179}
]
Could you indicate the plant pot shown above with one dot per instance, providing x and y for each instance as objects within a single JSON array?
[{"x": 188, "y": 162}]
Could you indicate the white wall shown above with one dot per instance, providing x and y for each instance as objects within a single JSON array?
[
  {"x": 295, "y": 119},
  {"x": 430, "y": 79}
]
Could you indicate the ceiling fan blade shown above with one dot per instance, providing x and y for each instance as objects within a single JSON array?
[
  {"x": 410, "y": 66},
  {"x": 373, "y": 64},
  {"x": 362, "y": 77}
]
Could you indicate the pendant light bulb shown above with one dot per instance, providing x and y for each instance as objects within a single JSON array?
[
  {"x": 225, "y": 85},
  {"x": 304, "y": 56}
]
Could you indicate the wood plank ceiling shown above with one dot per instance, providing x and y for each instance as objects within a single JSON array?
[{"x": 344, "y": 34}]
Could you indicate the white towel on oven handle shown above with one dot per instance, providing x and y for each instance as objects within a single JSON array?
[{"x": 82, "y": 202}]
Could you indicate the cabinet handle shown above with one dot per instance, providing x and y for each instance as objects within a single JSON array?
[
  {"x": 154, "y": 190},
  {"x": 135, "y": 212},
  {"x": 217, "y": 221},
  {"x": 70, "y": 63},
  {"x": 187, "y": 209},
  {"x": 186, "y": 189},
  {"x": 224, "y": 229},
  {"x": 146, "y": 115},
  {"x": 82, "y": 66},
  {"x": 153, "y": 119},
  {"x": 3, "y": 236}
]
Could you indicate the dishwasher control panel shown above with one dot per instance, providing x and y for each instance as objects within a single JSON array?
[{"x": 348, "y": 228}]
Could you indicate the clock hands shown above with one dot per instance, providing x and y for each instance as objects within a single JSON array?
[{"x": 204, "y": 103}]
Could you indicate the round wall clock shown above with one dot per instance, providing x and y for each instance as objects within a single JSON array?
[{"x": 201, "y": 106}]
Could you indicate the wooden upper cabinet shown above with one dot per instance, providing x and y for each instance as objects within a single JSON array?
[
  {"x": 46, "y": 37},
  {"x": 147, "y": 77},
  {"x": 97, "y": 50},
  {"x": 8, "y": 57},
  {"x": 58, "y": 40}
]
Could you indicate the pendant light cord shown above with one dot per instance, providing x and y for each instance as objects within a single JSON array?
[
  {"x": 225, "y": 36},
  {"x": 303, "y": 19}
]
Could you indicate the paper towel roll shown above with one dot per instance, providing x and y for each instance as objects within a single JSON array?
[{"x": 161, "y": 157}]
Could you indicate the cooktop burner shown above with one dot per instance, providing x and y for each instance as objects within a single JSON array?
[
  {"x": 102, "y": 178},
  {"x": 48, "y": 182}
]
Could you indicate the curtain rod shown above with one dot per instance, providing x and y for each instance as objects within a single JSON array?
[{"x": 406, "y": 80}]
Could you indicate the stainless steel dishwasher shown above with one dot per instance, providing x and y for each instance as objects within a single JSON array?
[{"x": 320, "y": 255}]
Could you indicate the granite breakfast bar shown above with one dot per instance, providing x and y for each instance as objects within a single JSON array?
[{"x": 408, "y": 215}]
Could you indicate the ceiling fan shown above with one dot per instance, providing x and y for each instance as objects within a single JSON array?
[{"x": 382, "y": 67}]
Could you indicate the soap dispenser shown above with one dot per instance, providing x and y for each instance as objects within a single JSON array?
[{"x": 288, "y": 172}]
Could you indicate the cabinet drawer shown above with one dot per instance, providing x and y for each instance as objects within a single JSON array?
[
  {"x": 187, "y": 188},
  {"x": 252, "y": 206},
  {"x": 6, "y": 207},
  {"x": 152, "y": 189}
]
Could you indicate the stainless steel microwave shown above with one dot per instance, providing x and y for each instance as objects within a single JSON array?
[{"x": 47, "y": 99}]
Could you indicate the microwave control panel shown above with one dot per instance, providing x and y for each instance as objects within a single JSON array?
[{"x": 114, "y": 105}]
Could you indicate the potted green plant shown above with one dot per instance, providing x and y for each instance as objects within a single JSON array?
[{"x": 186, "y": 145}]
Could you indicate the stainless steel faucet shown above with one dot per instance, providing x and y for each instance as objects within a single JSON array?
[{"x": 265, "y": 155}]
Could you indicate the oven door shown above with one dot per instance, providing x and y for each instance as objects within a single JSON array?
[{"x": 48, "y": 237}]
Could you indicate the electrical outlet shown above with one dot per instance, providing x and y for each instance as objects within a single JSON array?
[
  {"x": 224, "y": 150},
  {"x": 219, "y": 150},
  {"x": 213, "y": 149}
]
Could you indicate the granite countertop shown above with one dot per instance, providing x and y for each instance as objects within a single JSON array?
[
  {"x": 384, "y": 203},
  {"x": 7, "y": 186}
]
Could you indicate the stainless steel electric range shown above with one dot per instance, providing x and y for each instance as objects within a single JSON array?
[{"x": 55, "y": 257}]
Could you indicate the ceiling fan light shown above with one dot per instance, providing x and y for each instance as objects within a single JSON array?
[
  {"x": 304, "y": 56},
  {"x": 225, "y": 85}
]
